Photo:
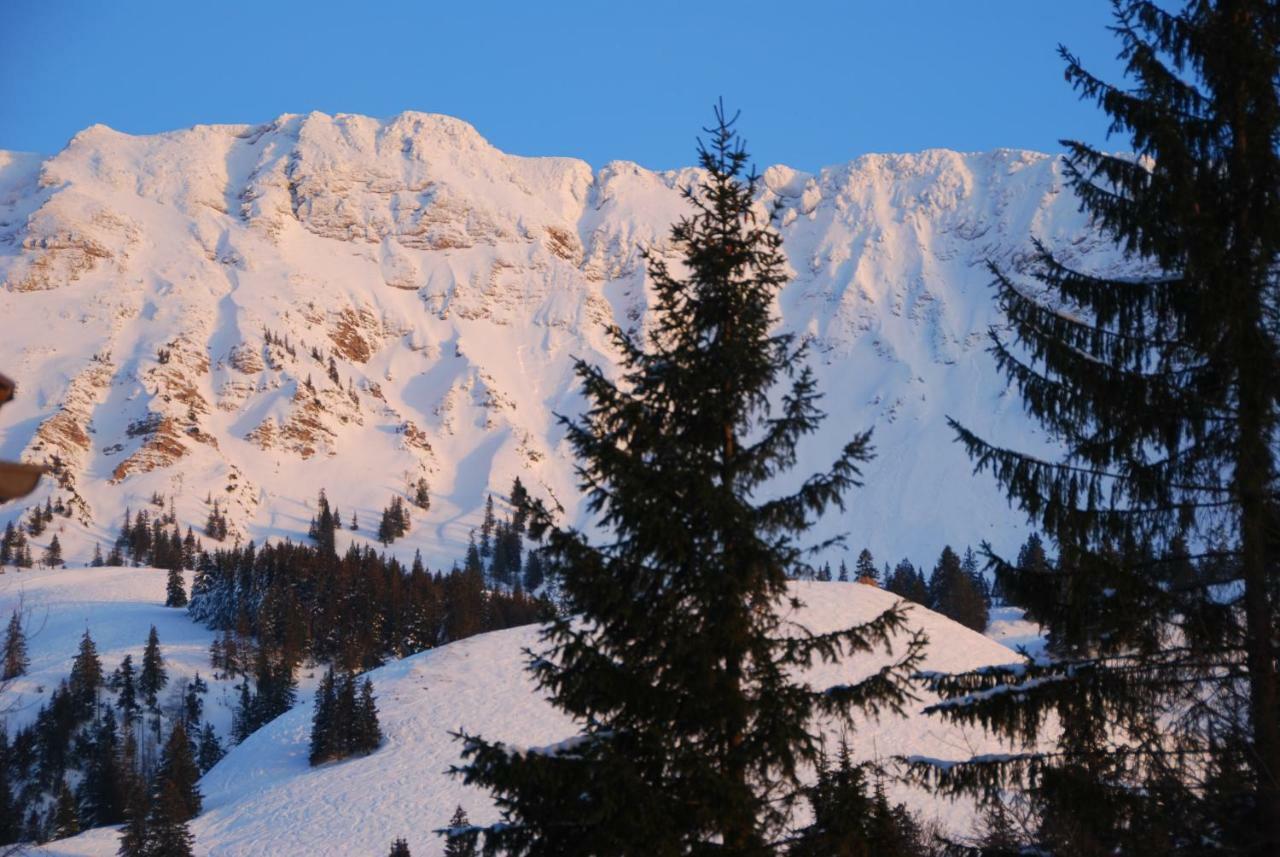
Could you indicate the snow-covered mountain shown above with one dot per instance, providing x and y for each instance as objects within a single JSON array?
[
  {"x": 264, "y": 800},
  {"x": 252, "y": 313}
]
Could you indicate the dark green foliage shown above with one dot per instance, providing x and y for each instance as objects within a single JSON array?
[
  {"x": 133, "y": 836},
  {"x": 395, "y": 521},
  {"x": 677, "y": 662},
  {"x": 865, "y": 568},
  {"x": 908, "y": 583},
  {"x": 66, "y": 816},
  {"x": 10, "y": 812},
  {"x": 1161, "y": 606},
  {"x": 126, "y": 689},
  {"x": 352, "y": 611},
  {"x": 461, "y": 836},
  {"x": 215, "y": 526},
  {"x": 86, "y": 678},
  {"x": 175, "y": 589},
  {"x": 853, "y": 818},
  {"x": 344, "y": 721},
  {"x": 14, "y": 659},
  {"x": 167, "y": 834},
  {"x": 274, "y": 693},
  {"x": 954, "y": 592},
  {"x": 102, "y": 791},
  {"x": 399, "y": 848},
  {"x": 323, "y": 526},
  {"x": 177, "y": 774},
  {"x": 209, "y": 752},
  {"x": 421, "y": 495},
  {"x": 153, "y": 677},
  {"x": 52, "y": 557}
]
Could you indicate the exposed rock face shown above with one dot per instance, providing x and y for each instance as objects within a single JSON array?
[{"x": 255, "y": 312}]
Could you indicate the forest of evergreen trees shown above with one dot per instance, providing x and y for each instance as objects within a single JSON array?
[
  {"x": 104, "y": 750},
  {"x": 1151, "y": 724}
]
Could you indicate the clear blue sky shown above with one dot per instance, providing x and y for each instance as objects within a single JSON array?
[{"x": 818, "y": 82}]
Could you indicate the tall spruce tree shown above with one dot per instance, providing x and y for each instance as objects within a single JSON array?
[
  {"x": 178, "y": 771},
  {"x": 153, "y": 677},
  {"x": 14, "y": 658},
  {"x": 461, "y": 836},
  {"x": 673, "y": 652},
  {"x": 175, "y": 589},
  {"x": 1163, "y": 383}
]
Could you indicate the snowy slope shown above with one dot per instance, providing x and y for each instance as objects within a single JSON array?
[
  {"x": 117, "y": 606},
  {"x": 452, "y": 284},
  {"x": 263, "y": 799}
]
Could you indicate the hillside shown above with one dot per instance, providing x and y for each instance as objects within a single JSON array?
[
  {"x": 263, "y": 799},
  {"x": 251, "y": 313}
]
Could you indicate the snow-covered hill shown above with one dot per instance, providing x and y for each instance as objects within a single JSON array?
[
  {"x": 171, "y": 305},
  {"x": 263, "y": 798}
]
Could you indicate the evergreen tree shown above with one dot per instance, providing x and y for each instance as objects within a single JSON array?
[
  {"x": 209, "y": 752},
  {"x": 366, "y": 734},
  {"x": 66, "y": 816},
  {"x": 175, "y": 589},
  {"x": 399, "y": 848},
  {"x": 461, "y": 836},
  {"x": 10, "y": 812},
  {"x": 167, "y": 834},
  {"x": 153, "y": 677},
  {"x": 953, "y": 594},
  {"x": 133, "y": 836},
  {"x": 487, "y": 527},
  {"x": 53, "y": 553},
  {"x": 86, "y": 678},
  {"x": 533, "y": 573},
  {"x": 14, "y": 659},
  {"x": 126, "y": 690},
  {"x": 178, "y": 773},
  {"x": 97, "y": 561},
  {"x": 102, "y": 798},
  {"x": 694, "y": 728},
  {"x": 1162, "y": 388},
  {"x": 322, "y": 720},
  {"x": 865, "y": 569}
]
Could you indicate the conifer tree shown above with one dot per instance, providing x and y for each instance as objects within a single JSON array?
[
  {"x": 175, "y": 589},
  {"x": 97, "y": 561},
  {"x": 167, "y": 832},
  {"x": 866, "y": 567},
  {"x": 153, "y": 677},
  {"x": 66, "y": 816},
  {"x": 102, "y": 798},
  {"x": 675, "y": 660},
  {"x": 178, "y": 773},
  {"x": 953, "y": 594},
  {"x": 10, "y": 812},
  {"x": 486, "y": 529},
  {"x": 14, "y": 659},
  {"x": 1160, "y": 380},
  {"x": 322, "y": 720},
  {"x": 86, "y": 677},
  {"x": 126, "y": 690},
  {"x": 399, "y": 848},
  {"x": 209, "y": 752},
  {"x": 133, "y": 835},
  {"x": 461, "y": 836},
  {"x": 53, "y": 553},
  {"x": 366, "y": 734}
]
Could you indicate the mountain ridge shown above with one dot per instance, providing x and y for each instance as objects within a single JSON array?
[{"x": 175, "y": 302}]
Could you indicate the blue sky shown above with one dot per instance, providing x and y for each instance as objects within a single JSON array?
[{"x": 818, "y": 82}]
